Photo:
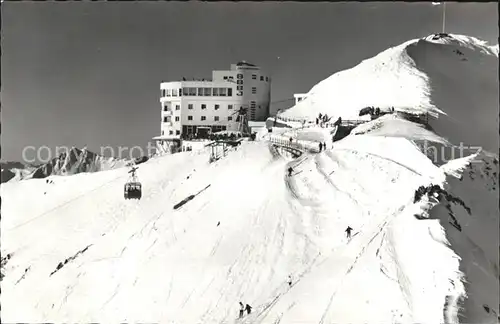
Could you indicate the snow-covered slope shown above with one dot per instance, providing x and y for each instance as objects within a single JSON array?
[
  {"x": 475, "y": 236},
  {"x": 82, "y": 244},
  {"x": 388, "y": 79}
]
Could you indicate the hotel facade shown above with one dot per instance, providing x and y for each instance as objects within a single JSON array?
[{"x": 194, "y": 109}]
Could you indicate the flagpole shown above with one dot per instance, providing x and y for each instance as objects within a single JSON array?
[{"x": 444, "y": 14}]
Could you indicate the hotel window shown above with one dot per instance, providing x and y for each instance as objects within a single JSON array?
[
  {"x": 165, "y": 108},
  {"x": 239, "y": 87},
  {"x": 216, "y": 106},
  {"x": 254, "y": 90},
  {"x": 192, "y": 91},
  {"x": 177, "y": 132},
  {"x": 254, "y": 76},
  {"x": 267, "y": 79},
  {"x": 166, "y": 119},
  {"x": 177, "y": 107},
  {"x": 229, "y": 106},
  {"x": 239, "y": 76},
  {"x": 190, "y": 106},
  {"x": 190, "y": 117},
  {"x": 216, "y": 118},
  {"x": 215, "y": 92},
  {"x": 174, "y": 92},
  {"x": 239, "y": 93},
  {"x": 203, "y": 106},
  {"x": 229, "y": 92},
  {"x": 208, "y": 92},
  {"x": 170, "y": 132},
  {"x": 180, "y": 92},
  {"x": 252, "y": 104},
  {"x": 203, "y": 118},
  {"x": 169, "y": 92},
  {"x": 177, "y": 118},
  {"x": 230, "y": 78},
  {"x": 239, "y": 81},
  {"x": 200, "y": 92},
  {"x": 185, "y": 92},
  {"x": 163, "y": 92},
  {"x": 225, "y": 78},
  {"x": 222, "y": 92},
  {"x": 163, "y": 132},
  {"x": 261, "y": 78},
  {"x": 229, "y": 118}
]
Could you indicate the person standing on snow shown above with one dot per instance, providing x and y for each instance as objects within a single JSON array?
[
  {"x": 320, "y": 146},
  {"x": 242, "y": 309},
  {"x": 348, "y": 232},
  {"x": 289, "y": 281},
  {"x": 248, "y": 308},
  {"x": 290, "y": 170}
]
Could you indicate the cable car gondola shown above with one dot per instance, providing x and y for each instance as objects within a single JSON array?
[{"x": 133, "y": 188}]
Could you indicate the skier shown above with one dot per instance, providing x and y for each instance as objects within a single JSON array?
[
  {"x": 218, "y": 224},
  {"x": 348, "y": 231},
  {"x": 242, "y": 309},
  {"x": 290, "y": 170},
  {"x": 289, "y": 281},
  {"x": 324, "y": 145},
  {"x": 320, "y": 146},
  {"x": 248, "y": 308},
  {"x": 317, "y": 121},
  {"x": 291, "y": 140}
]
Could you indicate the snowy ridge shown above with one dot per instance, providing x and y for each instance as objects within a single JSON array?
[
  {"x": 386, "y": 80},
  {"x": 76, "y": 161},
  {"x": 464, "y": 41},
  {"x": 455, "y": 167},
  {"x": 395, "y": 126}
]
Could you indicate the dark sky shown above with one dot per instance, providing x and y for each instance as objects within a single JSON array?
[{"x": 76, "y": 74}]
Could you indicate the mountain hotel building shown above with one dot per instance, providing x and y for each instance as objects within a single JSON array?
[{"x": 194, "y": 109}]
